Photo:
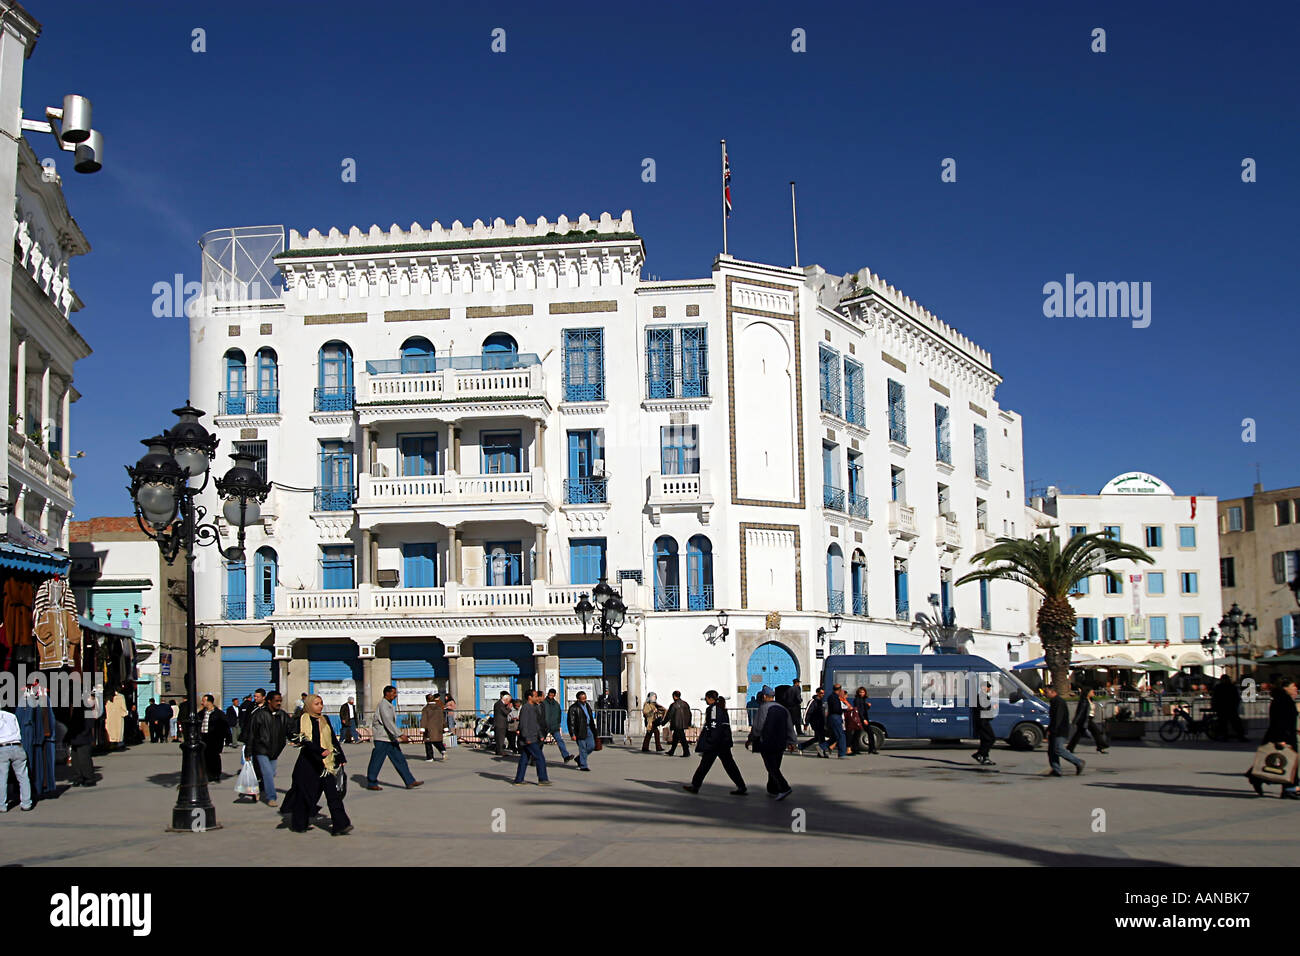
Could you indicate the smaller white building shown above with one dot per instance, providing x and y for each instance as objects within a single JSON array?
[{"x": 1155, "y": 614}]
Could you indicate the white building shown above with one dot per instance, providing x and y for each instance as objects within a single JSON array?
[
  {"x": 467, "y": 427},
  {"x": 1157, "y": 613}
]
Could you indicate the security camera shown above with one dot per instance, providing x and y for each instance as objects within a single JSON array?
[
  {"x": 90, "y": 154},
  {"x": 76, "y": 119}
]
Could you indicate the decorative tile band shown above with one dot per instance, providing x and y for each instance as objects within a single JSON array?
[
  {"x": 575, "y": 308},
  {"x": 335, "y": 318},
  {"x": 416, "y": 315}
]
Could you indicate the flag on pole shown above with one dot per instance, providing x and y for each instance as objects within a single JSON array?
[{"x": 726, "y": 181}]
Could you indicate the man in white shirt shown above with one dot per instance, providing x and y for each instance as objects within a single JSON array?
[{"x": 13, "y": 755}]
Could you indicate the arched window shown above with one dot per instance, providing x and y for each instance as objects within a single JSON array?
[
  {"x": 858, "y": 570},
  {"x": 699, "y": 574},
  {"x": 417, "y": 355},
  {"x": 500, "y": 351},
  {"x": 835, "y": 579},
  {"x": 268, "y": 382},
  {"x": 667, "y": 588},
  {"x": 334, "y": 390},
  {"x": 233, "y": 400},
  {"x": 265, "y": 566}
]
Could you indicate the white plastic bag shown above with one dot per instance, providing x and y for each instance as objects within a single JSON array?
[{"x": 246, "y": 782}]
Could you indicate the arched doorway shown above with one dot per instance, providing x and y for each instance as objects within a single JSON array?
[{"x": 770, "y": 664}]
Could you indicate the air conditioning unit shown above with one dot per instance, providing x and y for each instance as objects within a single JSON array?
[
  {"x": 283, "y": 652},
  {"x": 386, "y": 577},
  {"x": 598, "y": 468}
]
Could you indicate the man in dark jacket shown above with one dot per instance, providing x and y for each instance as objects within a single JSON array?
[
  {"x": 532, "y": 731},
  {"x": 835, "y": 705},
  {"x": 81, "y": 738},
  {"x": 796, "y": 707},
  {"x": 816, "y": 720},
  {"x": 154, "y": 719},
  {"x": 1058, "y": 734},
  {"x": 715, "y": 743},
  {"x": 983, "y": 726},
  {"x": 678, "y": 719},
  {"x": 582, "y": 723},
  {"x": 1226, "y": 701},
  {"x": 246, "y": 709},
  {"x": 1281, "y": 730},
  {"x": 232, "y": 716},
  {"x": 554, "y": 717},
  {"x": 348, "y": 720},
  {"x": 214, "y": 732},
  {"x": 771, "y": 736},
  {"x": 500, "y": 721},
  {"x": 268, "y": 732},
  {"x": 1085, "y": 722}
]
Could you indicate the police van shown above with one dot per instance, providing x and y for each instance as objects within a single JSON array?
[{"x": 930, "y": 696}]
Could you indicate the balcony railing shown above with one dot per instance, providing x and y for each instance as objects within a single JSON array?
[
  {"x": 901, "y": 609},
  {"x": 249, "y": 402},
  {"x": 833, "y": 498},
  {"x": 860, "y": 605},
  {"x": 701, "y": 600},
  {"x": 585, "y": 491},
  {"x": 902, "y": 519},
  {"x": 334, "y": 499},
  {"x": 677, "y": 488},
  {"x": 234, "y": 608},
  {"x": 262, "y": 608},
  {"x": 28, "y": 454},
  {"x": 368, "y": 599},
  {"x": 835, "y": 602},
  {"x": 335, "y": 399},
  {"x": 668, "y": 597},
  {"x": 451, "y": 383},
  {"x": 445, "y": 490},
  {"x": 858, "y": 507},
  {"x": 409, "y": 599},
  {"x": 584, "y": 391},
  {"x": 948, "y": 533},
  {"x": 427, "y": 364}
]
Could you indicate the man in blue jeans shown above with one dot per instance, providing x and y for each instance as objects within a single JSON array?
[
  {"x": 582, "y": 723},
  {"x": 835, "y": 707},
  {"x": 1058, "y": 735},
  {"x": 532, "y": 731},
  {"x": 388, "y": 744},
  {"x": 268, "y": 732}
]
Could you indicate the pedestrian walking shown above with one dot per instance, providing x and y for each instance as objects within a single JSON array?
[
  {"x": 320, "y": 761},
  {"x": 115, "y": 720},
  {"x": 82, "y": 723},
  {"x": 983, "y": 726},
  {"x": 862, "y": 734},
  {"x": 836, "y": 705},
  {"x": 678, "y": 719},
  {"x": 348, "y": 720},
  {"x": 232, "y": 717},
  {"x": 795, "y": 706},
  {"x": 13, "y": 757},
  {"x": 299, "y": 708},
  {"x": 715, "y": 743},
  {"x": 582, "y": 725},
  {"x": 154, "y": 719},
  {"x": 1281, "y": 734},
  {"x": 269, "y": 728},
  {"x": 815, "y": 718},
  {"x": 1226, "y": 701},
  {"x": 433, "y": 723},
  {"x": 246, "y": 709},
  {"x": 654, "y": 713},
  {"x": 1058, "y": 733},
  {"x": 771, "y": 735},
  {"x": 387, "y": 744},
  {"x": 214, "y": 732},
  {"x": 449, "y": 716},
  {"x": 554, "y": 716},
  {"x": 532, "y": 731},
  {"x": 512, "y": 725},
  {"x": 1085, "y": 722},
  {"x": 500, "y": 718}
]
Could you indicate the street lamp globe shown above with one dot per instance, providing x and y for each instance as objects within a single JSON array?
[
  {"x": 243, "y": 489},
  {"x": 614, "y": 611},
  {"x": 584, "y": 611},
  {"x": 154, "y": 482},
  {"x": 601, "y": 593},
  {"x": 722, "y": 619},
  {"x": 1235, "y": 614},
  {"x": 192, "y": 445}
]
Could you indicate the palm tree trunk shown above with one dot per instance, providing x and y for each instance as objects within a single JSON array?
[{"x": 1056, "y": 631}]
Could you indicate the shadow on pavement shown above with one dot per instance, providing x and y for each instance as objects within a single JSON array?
[{"x": 1183, "y": 791}]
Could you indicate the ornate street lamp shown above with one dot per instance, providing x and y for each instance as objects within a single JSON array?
[
  {"x": 164, "y": 494},
  {"x": 1234, "y": 622},
  {"x": 607, "y": 614}
]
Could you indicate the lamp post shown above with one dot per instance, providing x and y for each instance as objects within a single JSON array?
[
  {"x": 167, "y": 511},
  {"x": 1234, "y": 622},
  {"x": 1210, "y": 642},
  {"x": 606, "y": 614},
  {"x": 835, "y": 629}
]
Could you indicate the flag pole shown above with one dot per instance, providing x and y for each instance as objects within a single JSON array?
[
  {"x": 794, "y": 215},
  {"x": 724, "y": 197}
]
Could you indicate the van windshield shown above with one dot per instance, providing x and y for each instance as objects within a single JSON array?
[{"x": 1010, "y": 682}]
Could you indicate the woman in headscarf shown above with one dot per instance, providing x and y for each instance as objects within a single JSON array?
[{"x": 313, "y": 774}]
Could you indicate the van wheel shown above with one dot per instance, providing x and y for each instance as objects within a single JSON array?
[
  {"x": 877, "y": 737},
  {"x": 1025, "y": 737}
]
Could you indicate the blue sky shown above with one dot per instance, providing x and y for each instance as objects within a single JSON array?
[{"x": 1119, "y": 166}]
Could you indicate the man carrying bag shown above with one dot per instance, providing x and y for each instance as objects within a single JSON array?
[{"x": 1276, "y": 761}]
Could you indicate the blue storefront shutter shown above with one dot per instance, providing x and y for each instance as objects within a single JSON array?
[
  {"x": 418, "y": 661},
  {"x": 244, "y": 670}
]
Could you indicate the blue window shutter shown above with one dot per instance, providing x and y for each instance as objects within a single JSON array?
[
  {"x": 659, "y": 363},
  {"x": 1158, "y": 629},
  {"x": 695, "y": 362}
]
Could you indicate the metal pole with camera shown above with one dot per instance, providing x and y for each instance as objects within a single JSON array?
[{"x": 167, "y": 511}]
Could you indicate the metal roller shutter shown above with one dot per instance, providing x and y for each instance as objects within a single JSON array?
[
  {"x": 513, "y": 658},
  {"x": 418, "y": 661},
  {"x": 244, "y": 670}
]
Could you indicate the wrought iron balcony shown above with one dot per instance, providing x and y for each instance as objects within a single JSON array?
[
  {"x": 262, "y": 608},
  {"x": 234, "y": 608},
  {"x": 700, "y": 600},
  {"x": 329, "y": 498},
  {"x": 585, "y": 491},
  {"x": 901, "y": 609},
  {"x": 835, "y": 602},
  {"x": 668, "y": 597},
  {"x": 584, "y": 391},
  {"x": 833, "y": 498},
  {"x": 249, "y": 402},
  {"x": 336, "y": 399},
  {"x": 858, "y": 507},
  {"x": 860, "y": 605}
]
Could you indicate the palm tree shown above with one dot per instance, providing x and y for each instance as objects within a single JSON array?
[{"x": 1043, "y": 565}]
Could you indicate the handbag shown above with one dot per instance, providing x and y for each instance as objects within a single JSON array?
[
  {"x": 1275, "y": 763},
  {"x": 341, "y": 780}
]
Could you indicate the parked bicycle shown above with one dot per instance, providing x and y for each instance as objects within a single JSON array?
[{"x": 1182, "y": 725}]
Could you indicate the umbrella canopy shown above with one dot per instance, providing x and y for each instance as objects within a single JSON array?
[
  {"x": 1233, "y": 662},
  {"x": 1291, "y": 658},
  {"x": 1038, "y": 662},
  {"x": 1107, "y": 662}
]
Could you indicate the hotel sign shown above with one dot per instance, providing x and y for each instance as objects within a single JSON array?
[{"x": 1136, "y": 483}]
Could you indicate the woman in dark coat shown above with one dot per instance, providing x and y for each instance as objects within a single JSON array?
[
  {"x": 1281, "y": 730},
  {"x": 313, "y": 774},
  {"x": 862, "y": 704}
]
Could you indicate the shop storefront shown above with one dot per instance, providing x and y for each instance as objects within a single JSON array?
[
  {"x": 334, "y": 672},
  {"x": 582, "y": 666},
  {"x": 419, "y": 668},
  {"x": 244, "y": 670},
  {"x": 501, "y": 666}
]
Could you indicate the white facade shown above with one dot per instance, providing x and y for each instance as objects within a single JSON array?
[
  {"x": 715, "y": 437},
  {"x": 1162, "y": 610}
]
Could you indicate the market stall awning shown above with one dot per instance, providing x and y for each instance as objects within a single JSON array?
[
  {"x": 1107, "y": 662},
  {"x": 17, "y": 558}
]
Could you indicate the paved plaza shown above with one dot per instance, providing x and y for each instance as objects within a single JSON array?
[{"x": 911, "y": 805}]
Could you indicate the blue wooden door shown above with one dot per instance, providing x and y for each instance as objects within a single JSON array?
[
  {"x": 769, "y": 664},
  {"x": 419, "y": 565},
  {"x": 419, "y": 455}
]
